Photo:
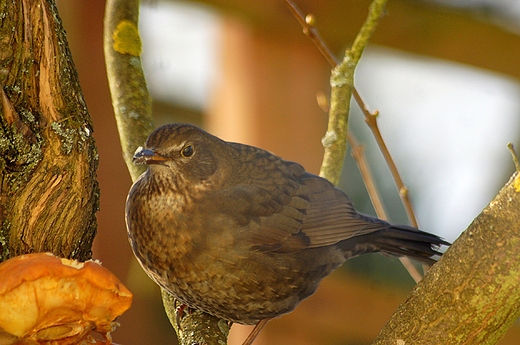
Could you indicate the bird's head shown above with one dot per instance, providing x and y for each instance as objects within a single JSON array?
[{"x": 180, "y": 149}]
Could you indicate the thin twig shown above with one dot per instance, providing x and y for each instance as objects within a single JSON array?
[
  {"x": 307, "y": 23},
  {"x": 357, "y": 153},
  {"x": 311, "y": 31},
  {"x": 403, "y": 191},
  {"x": 511, "y": 148}
]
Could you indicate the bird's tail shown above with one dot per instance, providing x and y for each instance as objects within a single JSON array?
[
  {"x": 402, "y": 240},
  {"x": 395, "y": 240}
]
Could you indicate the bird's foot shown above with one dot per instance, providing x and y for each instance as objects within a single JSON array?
[{"x": 179, "y": 312}]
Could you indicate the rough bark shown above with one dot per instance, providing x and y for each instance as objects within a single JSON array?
[
  {"x": 49, "y": 193},
  {"x": 472, "y": 295}
]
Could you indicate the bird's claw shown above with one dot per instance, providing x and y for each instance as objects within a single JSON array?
[{"x": 179, "y": 312}]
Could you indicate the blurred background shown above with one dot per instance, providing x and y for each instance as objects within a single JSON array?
[{"x": 443, "y": 74}]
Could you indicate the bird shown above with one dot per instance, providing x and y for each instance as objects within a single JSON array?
[{"x": 242, "y": 234}]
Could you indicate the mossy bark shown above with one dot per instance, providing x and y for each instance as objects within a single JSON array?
[{"x": 48, "y": 159}]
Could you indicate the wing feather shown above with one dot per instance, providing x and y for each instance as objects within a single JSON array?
[{"x": 287, "y": 209}]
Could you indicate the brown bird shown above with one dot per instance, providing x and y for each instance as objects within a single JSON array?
[{"x": 242, "y": 234}]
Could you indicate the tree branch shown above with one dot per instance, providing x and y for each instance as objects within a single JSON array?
[
  {"x": 310, "y": 30},
  {"x": 195, "y": 327},
  {"x": 342, "y": 83},
  {"x": 133, "y": 111},
  {"x": 472, "y": 295},
  {"x": 130, "y": 98}
]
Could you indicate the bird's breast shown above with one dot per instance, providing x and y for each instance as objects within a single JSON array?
[{"x": 158, "y": 226}]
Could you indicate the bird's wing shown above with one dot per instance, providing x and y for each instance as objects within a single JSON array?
[
  {"x": 268, "y": 206},
  {"x": 331, "y": 217},
  {"x": 285, "y": 209},
  {"x": 266, "y": 222}
]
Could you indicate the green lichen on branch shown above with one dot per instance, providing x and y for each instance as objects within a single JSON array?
[
  {"x": 18, "y": 156},
  {"x": 130, "y": 98},
  {"x": 66, "y": 135},
  {"x": 70, "y": 137}
]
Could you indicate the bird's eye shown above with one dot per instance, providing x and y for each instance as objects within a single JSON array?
[{"x": 187, "y": 151}]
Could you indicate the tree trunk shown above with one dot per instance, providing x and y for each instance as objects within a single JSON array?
[{"x": 49, "y": 193}]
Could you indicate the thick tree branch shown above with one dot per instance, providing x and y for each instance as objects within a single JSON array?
[
  {"x": 133, "y": 111},
  {"x": 195, "y": 327},
  {"x": 49, "y": 193},
  {"x": 472, "y": 295},
  {"x": 130, "y": 97}
]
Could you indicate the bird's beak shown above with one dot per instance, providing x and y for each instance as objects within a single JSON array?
[{"x": 147, "y": 156}]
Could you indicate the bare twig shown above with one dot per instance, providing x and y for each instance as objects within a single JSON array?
[
  {"x": 511, "y": 148},
  {"x": 307, "y": 22},
  {"x": 357, "y": 151},
  {"x": 358, "y": 155},
  {"x": 310, "y": 30},
  {"x": 371, "y": 121}
]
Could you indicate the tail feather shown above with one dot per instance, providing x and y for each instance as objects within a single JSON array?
[{"x": 397, "y": 240}]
